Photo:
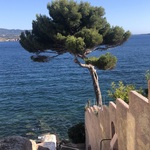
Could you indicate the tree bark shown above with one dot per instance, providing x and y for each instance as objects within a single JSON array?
[
  {"x": 96, "y": 86},
  {"x": 94, "y": 76}
]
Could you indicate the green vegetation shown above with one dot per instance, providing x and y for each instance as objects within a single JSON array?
[
  {"x": 121, "y": 91},
  {"x": 77, "y": 133},
  {"x": 147, "y": 75},
  {"x": 104, "y": 62},
  {"x": 77, "y": 28}
]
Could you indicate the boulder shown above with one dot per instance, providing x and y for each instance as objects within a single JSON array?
[
  {"x": 42, "y": 148},
  {"x": 15, "y": 143},
  {"x": 22, "y": 143}
]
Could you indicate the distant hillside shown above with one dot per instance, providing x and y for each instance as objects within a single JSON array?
[
  {"x": 10, "y": 31},
  {"x": 10, "y": 34}
]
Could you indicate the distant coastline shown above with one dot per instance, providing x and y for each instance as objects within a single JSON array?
[
  {"x": 9, "y": 39},
  {"x": 9, "y": 34}
]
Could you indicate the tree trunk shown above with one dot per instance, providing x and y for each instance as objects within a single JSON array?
[
  {"x": 94, "y": 76},
  {"x": 96, "y": 86}
]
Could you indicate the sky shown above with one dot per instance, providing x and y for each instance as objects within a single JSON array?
[{"x": 132, "y": 15}]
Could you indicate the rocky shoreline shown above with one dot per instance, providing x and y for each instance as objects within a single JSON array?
[{"x": 22, "y": 143}]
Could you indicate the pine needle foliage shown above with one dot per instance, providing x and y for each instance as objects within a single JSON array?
[
  {"x": 71, "y": 27},
  {"x": 104, "y": 62}
]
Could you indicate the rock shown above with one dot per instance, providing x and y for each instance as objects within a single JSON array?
[
  {"x": 22, "y": 143},
  {"x": 42, "y": 148},
  {"x": 15, "y": 143}
]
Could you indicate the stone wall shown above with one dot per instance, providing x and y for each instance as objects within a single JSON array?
[
  {"x": 96, "y": 123},
  {"x": 119, "y": 126}
]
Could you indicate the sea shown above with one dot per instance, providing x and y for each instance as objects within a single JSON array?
[{"x": 38, "y": 98}]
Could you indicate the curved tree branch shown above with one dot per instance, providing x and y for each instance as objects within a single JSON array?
[{"x": 94, "y": 78}]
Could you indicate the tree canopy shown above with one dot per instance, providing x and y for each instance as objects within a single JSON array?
[
  {"x": 74, "y": 28},
  {"x": 77, "y": 28}
]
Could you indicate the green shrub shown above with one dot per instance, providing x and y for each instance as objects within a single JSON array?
[
  {"x": 77, "y": 133},
  {"x": 147, "y": 75},
  {"x": 121, "y": 91}
]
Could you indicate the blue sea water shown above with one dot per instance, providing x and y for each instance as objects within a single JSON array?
[{"x": 37, "y": 98}]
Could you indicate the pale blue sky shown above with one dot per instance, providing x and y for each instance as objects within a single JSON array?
[{"x": 133, "y": 15}]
